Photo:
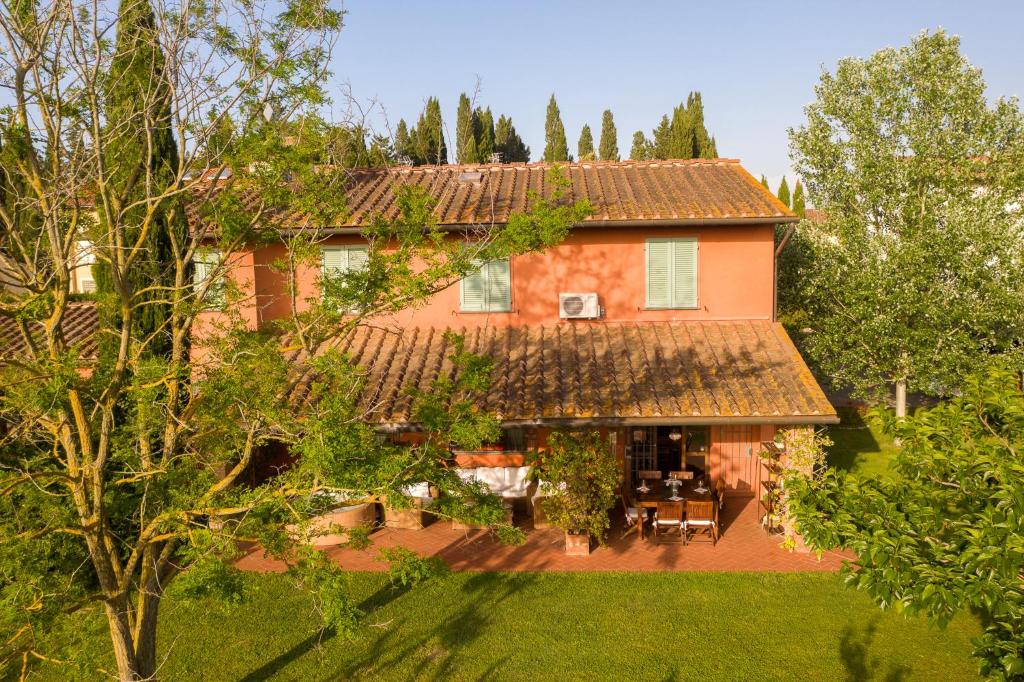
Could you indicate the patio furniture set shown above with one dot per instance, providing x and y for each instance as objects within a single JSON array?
[{"x": 679, "y": 509}]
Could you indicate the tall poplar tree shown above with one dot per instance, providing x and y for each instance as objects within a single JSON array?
[
  {"x": 609, "y": 147},
  {"x": 465, "y": 137},
  {"x": 555, "y": 146},
  {"x": 799, "y": 202},
  {"x": 640, "y": 149},
  {"x": 783, "y": 193},
  {"x": 430, "y": 144},
  {"x": 142, "y": 154},
  {"x": 585, "y": 147}
]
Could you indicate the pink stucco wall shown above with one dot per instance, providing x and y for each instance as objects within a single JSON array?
[{"x": 735, "y": 279}]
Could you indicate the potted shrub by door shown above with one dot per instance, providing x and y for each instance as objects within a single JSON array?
[{"x": 580, "y": 478}]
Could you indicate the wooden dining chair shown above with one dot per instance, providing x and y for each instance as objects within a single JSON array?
[
  {"x": 701, "y": 519},
  {"x": 634, "y": 514},
  {"x": 649, "y": 475},
  {"x": 668, "y": 519},
  {"x": 720, "y": 493},
  {"x": 681, "y": 475}
]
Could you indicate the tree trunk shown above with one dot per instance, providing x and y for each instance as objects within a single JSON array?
[
  {"x": 901, "y": 398},
  {"x": 124, "y": 649}
]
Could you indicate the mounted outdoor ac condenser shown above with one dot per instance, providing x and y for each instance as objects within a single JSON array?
[{"x": 578, "y": 306}]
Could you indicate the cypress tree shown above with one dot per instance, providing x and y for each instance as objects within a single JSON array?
[
  {"x": 662, "y": 140},
  {"x": 682, "y": 139},
  {"x": 508, "y": 143},
  {"x": 430, "y": 144},
  {"x": 555, "y": 146},
  {"x": 403, "y": 142},
  {"x": 799, "y": 201},
  {"x": 609, "y": 147},
  {"x": 784, "y": 192},
  {"x": 712, "y": 149},
  {"x": 484, "y": 132},
  {"x": 585, "y": 147},
  {"x": 140, "y": 139},
  {"x": 640, "y": 150},
  {"x": 465, "y": 138},
  {"x": 764, "y": 182},
  {"x": 701, "y": 139}
]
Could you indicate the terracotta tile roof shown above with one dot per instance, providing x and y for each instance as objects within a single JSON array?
[
  {"x": 79, "y": 326},
  {"x": 674, "y": 191},
  {"x": 610, "y": 372}
]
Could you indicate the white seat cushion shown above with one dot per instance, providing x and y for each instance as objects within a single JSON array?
[
  {"x": 699, "y": 523},
  {"x": 668, "y": 522}
]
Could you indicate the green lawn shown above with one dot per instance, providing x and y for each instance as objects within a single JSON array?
[
  {"x": 859, "y": 445},
  {"x": 667, "y": 626}
]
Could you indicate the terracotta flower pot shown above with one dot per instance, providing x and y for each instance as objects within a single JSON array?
[{"x": 577, "y": 545}]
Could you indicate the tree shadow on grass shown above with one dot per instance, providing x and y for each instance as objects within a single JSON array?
[
  {"x": 379, "y": 599},
  {"x": 855, "y": 652},
  {"x": 851, "y": 438}
]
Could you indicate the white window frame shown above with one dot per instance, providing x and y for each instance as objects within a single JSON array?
[
  {"x": 205, "y": 262},
  {"x": 484, "y": 272},
  {"x": 348, "y": 250},
  {"x": 672, "y": 304}
]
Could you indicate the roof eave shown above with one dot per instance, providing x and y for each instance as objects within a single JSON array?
[
  {"x": 791, "y": 420},
  {"x": 671, "y": 222}
]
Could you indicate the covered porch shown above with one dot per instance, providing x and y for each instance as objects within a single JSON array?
[{"x": 742, "y": 546}]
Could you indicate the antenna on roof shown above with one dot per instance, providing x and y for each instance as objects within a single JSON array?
[
  {"x": 495, "y": 157},
  {"x": 404, "y": 160}
]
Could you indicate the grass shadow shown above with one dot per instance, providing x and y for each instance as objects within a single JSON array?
[{"x": 855, "y": 652}]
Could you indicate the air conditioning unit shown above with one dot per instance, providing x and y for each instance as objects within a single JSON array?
[{"x": 578, "y": 306}]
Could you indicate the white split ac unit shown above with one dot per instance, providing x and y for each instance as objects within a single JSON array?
[{"x": 578, "y": 306}]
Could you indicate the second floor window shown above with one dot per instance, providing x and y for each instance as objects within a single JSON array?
[
  {"x": 672, "y": 272},
  {"x": 205, "y": 265},
  {"x": 337, "y": 260},
  {"x": 489, "y": 289}
]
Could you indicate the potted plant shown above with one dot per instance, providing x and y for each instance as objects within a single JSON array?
[{"x": 580, "y": 479}]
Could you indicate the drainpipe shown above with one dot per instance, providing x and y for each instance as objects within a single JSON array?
[{"x": 775, "y": 280}]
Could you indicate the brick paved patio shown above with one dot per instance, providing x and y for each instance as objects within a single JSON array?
[{"x": 743, "y": 546}]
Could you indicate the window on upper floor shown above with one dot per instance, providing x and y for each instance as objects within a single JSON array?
[
  {"x": 338, "y": 260},
  {"x": 205, "y": 265},
  {"x": 671, "y": 272},
  {"x": 489, "y": 289}
]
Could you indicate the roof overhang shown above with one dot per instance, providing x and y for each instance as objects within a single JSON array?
[{"x": 611, "y": 422}]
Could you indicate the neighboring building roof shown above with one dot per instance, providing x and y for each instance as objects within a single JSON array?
[
  {"x": 657, "y": 372},
  {"x": 691, "y": 191},
  {"x": 79, "y": 326}
]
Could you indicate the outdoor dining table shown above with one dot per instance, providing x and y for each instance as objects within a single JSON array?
[{"x": 660, "y": 491}]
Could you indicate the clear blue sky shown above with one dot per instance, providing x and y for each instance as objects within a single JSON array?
[{"x": 754, "y": 61}]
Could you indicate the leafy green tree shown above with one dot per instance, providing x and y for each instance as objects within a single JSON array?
[
  {"x": 585, "y": 147},
  {"x": 783, "y": 193},
  {"x": 580, "y": 482},
  {"x": 555, "y": 146},
  {"x": 429, "y": 138},
  {"x": 662, "y": 137},
  {"x": 945, "y": 531},
  {"x": 465, "y": 136},
  {"x": 609, "y": 147},
  {"x": 403, "y": 141},
  {"x": 799, "y": 202},
  {"x": 118, "y": 473},
  {"x": 914, "y": 276},
  {"x": 641, "y": 148},
  {"x": 484, "y": 131},
  {"x": 508, "y": 143}
]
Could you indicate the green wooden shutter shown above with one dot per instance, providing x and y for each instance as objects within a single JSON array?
[
  {"x": 499, "y": 285},
  {"x": 659, "y": 273},
  {"x": 684, "y": 273},
  {"x": 473, "y": 292},
  {"x": 358, "y": 257}
]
